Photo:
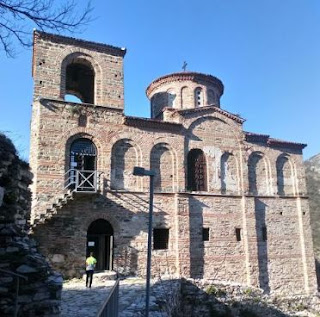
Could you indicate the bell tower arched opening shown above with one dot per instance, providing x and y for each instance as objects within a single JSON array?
[
  {"x": 80, "y": 81},
  {"x": 100, "y": 242}
]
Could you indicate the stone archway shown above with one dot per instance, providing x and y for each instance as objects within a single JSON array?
[{"x": 100, "y": 242}]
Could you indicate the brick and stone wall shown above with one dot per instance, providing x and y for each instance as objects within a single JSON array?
[
  {"x": 254, "y": 204},
  {"x": 52, "y": 54}
]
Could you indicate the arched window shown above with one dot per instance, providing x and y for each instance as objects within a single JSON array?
[
  {"x": 228, "y": 174},
  {"x": 284, "y": 176},
  {"x": 80, "y": 81},
  {"x": 124, "y": 157},
  {"x": 211, "y": 97},
  {"x": 171, "y": 98},
  {"x": 257, "y": 174},
  {"x": 197, "y": 171},
  {"x": 185, "y": 97},
  {"x": 198, "y": 96},
  {"x": 162, "y": 162},
  {"x": 83, "y": 155}
]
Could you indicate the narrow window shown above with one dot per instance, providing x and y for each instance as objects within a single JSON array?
[
  {"x": 198, "y": 95},
  {"x": 264, "y": 233},
  {"x": 197, "y": 171},
  {"x": 238, "y": 234},
  {"x": 205, "y": 234},
  {"x": 160, "y": 239},
  {"x": 185, "y": 97}
]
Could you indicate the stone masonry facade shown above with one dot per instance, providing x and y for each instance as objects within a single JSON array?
[{"x": 228, "y": 205}]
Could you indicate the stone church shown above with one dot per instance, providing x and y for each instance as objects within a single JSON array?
[{"x": 229, "y": 205}]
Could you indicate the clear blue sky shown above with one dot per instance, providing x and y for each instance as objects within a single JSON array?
[{"x": 266, "y": 52}]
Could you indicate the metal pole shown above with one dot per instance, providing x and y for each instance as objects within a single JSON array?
[{"x": 149, "y": 246}]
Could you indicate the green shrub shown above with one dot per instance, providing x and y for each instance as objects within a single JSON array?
[{"x": 212, "y": 290}]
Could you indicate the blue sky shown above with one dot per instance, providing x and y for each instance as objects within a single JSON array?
[{"x": 266, "y": 52}]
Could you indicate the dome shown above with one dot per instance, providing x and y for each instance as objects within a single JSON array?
[{"x": 185, "y": 90}]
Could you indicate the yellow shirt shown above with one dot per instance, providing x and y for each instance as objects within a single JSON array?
[{"x": 91, "y": 263}]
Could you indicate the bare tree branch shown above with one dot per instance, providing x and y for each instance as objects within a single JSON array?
[{"x": 18, "y": 17}]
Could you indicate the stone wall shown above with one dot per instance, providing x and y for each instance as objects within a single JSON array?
[{"x": 40, "y": 287}]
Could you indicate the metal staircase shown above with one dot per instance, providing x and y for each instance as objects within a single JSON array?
[{"x": 77, "y": 181}]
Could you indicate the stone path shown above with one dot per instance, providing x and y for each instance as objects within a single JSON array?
[{"x": 79, "y": 301}]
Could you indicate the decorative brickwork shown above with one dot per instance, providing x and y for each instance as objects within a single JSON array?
[{"x": 252, "y": 198}]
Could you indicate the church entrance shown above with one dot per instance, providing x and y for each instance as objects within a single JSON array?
[{"x": 100, "y": 242}]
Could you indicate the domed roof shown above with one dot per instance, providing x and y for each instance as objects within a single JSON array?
[{"x": 185, "y": 76}]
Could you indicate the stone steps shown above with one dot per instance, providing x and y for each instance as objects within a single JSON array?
[{"x": 57, "y": 204}]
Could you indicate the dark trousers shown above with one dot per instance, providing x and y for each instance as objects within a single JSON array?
[{"x": 89, "y": 278}]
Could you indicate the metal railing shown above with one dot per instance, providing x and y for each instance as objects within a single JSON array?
[
  {"x": 110, "y": 307},
  {"x": 82, "y": 180},
  {"x": 17, "y": 276}
]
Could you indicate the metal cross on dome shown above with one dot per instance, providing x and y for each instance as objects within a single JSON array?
[{"x": 184, "y": 66}]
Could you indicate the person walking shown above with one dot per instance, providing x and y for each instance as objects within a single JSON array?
[{"x": 90, "y": 266}]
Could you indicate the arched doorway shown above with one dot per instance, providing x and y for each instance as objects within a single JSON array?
[
  {"x": 83, "y": 162},
  {"x": 83, "y": 154},
  {"x": 100, "y": 242}
]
